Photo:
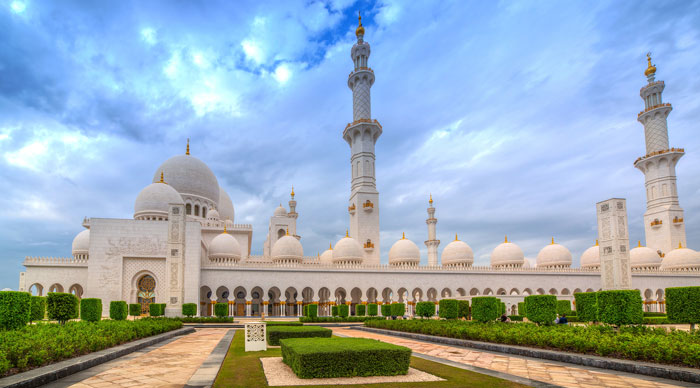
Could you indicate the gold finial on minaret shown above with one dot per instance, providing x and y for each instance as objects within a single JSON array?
[
  {"x": 596, "y": 242},
  {"x": 680, "y": 245},
  {"x": 287, "y": 231},
  {"x": 651, "y": 69},
  {"x": 552, "y": 240},
  {"x": 161, "y": 177},
  {"x": 292, "y": 193},
  {"x": 403, "y": 236},
  {"x": 225, "y": 231},
  {"x": 188, "y": 147},
  {"x": 431, "y": 199},
  {"x": 506, "y": 239},
  {"x": 639, "y": 243},
  {"x": 360, "y": 30},
  {"x": 346, "y": 233},
  {"x": 330, "y": 245},
  {"x": 456, "y": 239}
]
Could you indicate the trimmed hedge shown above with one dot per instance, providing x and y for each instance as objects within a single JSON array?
[
  {"x": 620, "y": 307},
  {"x": 312, "y": 310},
  {"x": 344, "y": 357},
  {"x": 204, "y": 319},
  {"x": 587, "y": 306},
  {"x": 516, "y": 318},
  {"x": 386, "y": 310},
  {"x": 398, "y": 309},
  {"x": 277, "y": 333},
  {"x": 656, "y": 320},
  {"x": 564, "y": 307},
  {"x": 449, "y": 309},
  {"x": 521, "y": 308},
  {"x": 156, "y": 309},
  {"x": 463, "y": 311},
  {"x": 502, "y": 308},
  {"x": 61, "y": 306},
  {"x": 360, "y": 310},
  {"x": 91, "y": 309},
  {"x": 541, "y": 309},
  {"x": 372, "y": 309},
  {"x": 15, "y": 309},
  {"x": 334, "y": 311},
  {"x": 38, "y": 308},
  {"x": 117, "y": 310},
  {"x": 189, "y": 309},
  {"x": 343, "y": 310},
  {"x": 303, "y": 310},
  {"x": 337, "y": 319},
  {"x": 134, "y": 309},
  {"x": 683, "y": 305},
  {"x": 221, "y": 310},
  {"x": 283, "y": 323},
  {"x": 654, "y": 314},
  {"x": 425, "y": 309},
  {"x": 485, "y": 308}
]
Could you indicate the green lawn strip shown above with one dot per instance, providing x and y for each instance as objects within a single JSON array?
[
  {"x": 276, "y": 333},
  {"x": 241, "y": 369}
]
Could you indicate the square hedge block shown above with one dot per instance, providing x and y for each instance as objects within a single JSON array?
[{"x": 277, "y": 332}]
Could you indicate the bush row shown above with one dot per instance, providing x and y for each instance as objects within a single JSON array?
[
  {"x": 338, "y": 319},
  {"x": 205, "y": 319},
  {"x": 276, "y": 333}
]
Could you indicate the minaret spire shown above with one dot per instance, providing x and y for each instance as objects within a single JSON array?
[{"x": 432, "y": 243}]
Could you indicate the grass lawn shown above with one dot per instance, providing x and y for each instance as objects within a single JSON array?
[{"x": 241, "y": 369}]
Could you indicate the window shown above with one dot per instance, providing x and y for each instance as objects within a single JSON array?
[
  {"x": 188, "y": 209},
  {"x": 196, "y": 210},
  {"x": 204, "y": 212}
]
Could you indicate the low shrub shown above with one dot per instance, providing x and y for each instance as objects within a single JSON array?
[
  {"x": 117, "y": 310},
  {"x": 449, "y": 309},
  {"x": 283, "y": 323},
  {"x": 656, "y": 320},
  {"x": 386, "y": 310},
  {"x": 425, "y": 309},
  {"x": 189, "y": 309},
  {"x": 337, "y": 319},
  {"x": 91, "y": 309},
  {"x": 683, "y": 305},
  {"x": 134, "y": 309},
  {"x": 372, "y": 309},
  {"x": 312, "y": 310},
  {"x": 15, "y": 309},
  {"x": 343, "y": 310},
  {"x": 654, "y": 314},
  {"x": 276, "y": 333},
  {"x": 516, "y": 318},
  {"x": 221, "y": 310},
  {"x": 398, "y": 309},
  {"x": 204, "y": 319},
  {"x": 564, "y": 307},
  {"x": 587, "y": 306},
  {"x": 360, "y": 310},
  {"x": 36, "y": 345},
  {"x": 521, "y": 308},
  {"x": 61, "y": 306},
  {"x": 334, "y": 311},
  {"x": 502, "y": 308},
  {"x": 344, "y": 357},
  {"x": 485, "y": 308},
  {"x": 156, "y": 309},
  {"x": 463, "y": 309},
  {"x": 541, "y": 309},
  {"x": 38, "y": 308},
  {"x": 303, "y": 310},
  {"x": 620, "y": 307}
]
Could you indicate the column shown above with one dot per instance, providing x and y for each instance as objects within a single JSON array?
[
  {"x": 283, "y": 307},
  {"x": 300, "y": 307},
  {"x": 379, "y": 309},
  {"x": 248, "y": 303}
]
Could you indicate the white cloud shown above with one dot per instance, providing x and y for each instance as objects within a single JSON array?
[
  {"x": 18, "y": 6},
  {"x": 148, "y": 35},
  {"x": 283, "y": 73},
  {"x": 253, "y": 51}
]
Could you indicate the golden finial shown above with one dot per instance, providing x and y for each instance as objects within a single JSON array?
[
  {"x": 403, "y": 237},
  {"x": 651, "y": 69},
  {"x": 596, "y": 242},
  {"x": 431, "y": 199},
  {"x": 161, "y": 177},
  {"x": 360, "y": 30},
  {"x": 292, "y": 192},
  {"x": 287, "y": 231},
  {"x": 506, "y": 239},
  {"x": 330, "y": 245},
  {"x": 346, "y": 233},
  {"x": 188, "y": 147},
  {"x": 639, "y": 243},
  {"x": 225, "y": 228},
  {"x": 456, "y": 239},
  {"x": 552, "y": 240},
  {"x": 680, "y": 245}
]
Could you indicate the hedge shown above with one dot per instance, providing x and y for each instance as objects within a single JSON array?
[
  {"x": 91, "y": 309},
  {"x": 638, "y": 343},
  {"x": 37, "y": 345},
  {"x": 587, "y": 306},
  {"x": 312, "y": 310},
  {"x": 221, "y": 310},
  {"x": 204, "y": 319},
  {"x": 521, "y": 308},
  {"x": 189, "y": 309},
  {"x": 541, "y": 309},
  {"x": 398, "y": 309},
  {"x": 117, "y": 310},
  {"x": 656, "y": 320},
  {"x": 61, "y": 306},
  {"x": 283, "y": 323},
  {"x": 38, "y": 308},
  {"x": 134, "y": 309},
  {"x": 449, "y": 309},
  {"x": 654, "y": 314},
  {"x": 683, "y": 305},
  {"x": 337, "y": 319},
  {"x": 386, "y": 310},
  {"x": 372, "y": 309},
  {"x": 343, "y": 310},
  {"x": 502, "y": 308},
  {"x": 425, "y": 309},
  {"x": 516, "y": 318},
  {"x": 156, "y": 309},
  {"x": 564, "y": 307},
  {"x": 463, "y": 311},
  {"x": 485, "y": 308},
  {"x": 15, "y": 309},
  {"x": 277, "y": 333},
  {"x": 334, "y": 311},
  {"x": 360, "y": 310},
  {"x": 620, "y": 307},
  {"x": 303, "y": 310},
  {"x": 344, "y": 357}
]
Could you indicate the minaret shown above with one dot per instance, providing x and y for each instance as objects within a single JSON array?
[
  {"x": 663, "y": 220},
  {"x": 432, "y": 242},
  {"x": 361, "y": 135},
  {"x": 292, "y": 206}
]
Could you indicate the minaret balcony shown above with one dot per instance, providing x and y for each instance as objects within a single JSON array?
[
  {"x": 351, "y": 209},
  {"x": 660, "y": 152},
  {"x": 656, "y": 223},
  {"x": 368, "y": 206},
  {"x": 369, "y": 245},
  {"x": 359, "y": 69},
  {"x": 677, "y": 221},
  {"x": 665, "y": 104}
]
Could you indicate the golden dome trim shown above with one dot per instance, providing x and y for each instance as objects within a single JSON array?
[
  {"x": 360, "y": 30},
  {"x": 651, "y": 69}
]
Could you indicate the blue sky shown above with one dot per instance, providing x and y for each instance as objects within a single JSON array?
[{"x": 517, "y": 116}]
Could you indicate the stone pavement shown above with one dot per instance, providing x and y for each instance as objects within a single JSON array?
[
  {"x": 164, "y": 365},
  {"x": 550, "y": 372}
]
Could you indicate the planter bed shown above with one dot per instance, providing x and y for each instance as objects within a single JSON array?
[
  {"x": 343, "y": 357},
  {"x": 276, "y": 333}
]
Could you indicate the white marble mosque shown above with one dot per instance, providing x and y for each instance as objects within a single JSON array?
[{"x": 183, "y": 246}]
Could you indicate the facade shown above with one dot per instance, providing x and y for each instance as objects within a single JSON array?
[{"x": 182, "y": 245}]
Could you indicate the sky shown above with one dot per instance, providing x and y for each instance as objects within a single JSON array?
[{"x": 518, "y": 116}]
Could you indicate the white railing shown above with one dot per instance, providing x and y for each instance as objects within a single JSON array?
[{"x": 72, "y": 261}]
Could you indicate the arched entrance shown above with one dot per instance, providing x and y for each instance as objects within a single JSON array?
[{"x": 146, "y": 292}]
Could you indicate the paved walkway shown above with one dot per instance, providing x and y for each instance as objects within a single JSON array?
[
  {"x": 551, "y": 372},
  {"x": 163, "y": 365}
]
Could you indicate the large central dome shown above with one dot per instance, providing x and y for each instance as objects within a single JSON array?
[{"x": 190, "y": 177}]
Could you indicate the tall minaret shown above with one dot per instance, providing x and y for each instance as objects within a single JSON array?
[
  {"x": 361, "y": 135},
  {"x": 663, "y": 220},
  {"x": 292, "y": 206},
  {"x": 432, "y": 242}
]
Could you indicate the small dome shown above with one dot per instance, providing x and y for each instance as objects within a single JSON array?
[
  {"x": 554, "y": 256},
  {"x": 81, "y": 243},
  {"x": 457, "y": 253},
  {"x": 225, "y": 246},
  {"x": 213, "y": 215},
  {"x": 681, "y": 259},
  {"x": 591, "y": 257},
  {"x": 644, "y": 257},
  {"x": 280, "y": 211},
  {"x": 225, "y": 206},
  {"x": 404, "y": 252},
  {"x": 507, "y": 254},
  {"x": 190, "y": 177},
  {"x": 529, "y": 263},
  {"x": 286, "y": 249},
  {"x": 347, "y": 250},
  {"x": 327, "y": 256},
  {"x": 154, "y": 200}
]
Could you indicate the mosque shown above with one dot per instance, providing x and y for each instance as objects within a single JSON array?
[{"x": 183, "y": 246}]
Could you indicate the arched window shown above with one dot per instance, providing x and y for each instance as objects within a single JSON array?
[
  {"x": 188, "y": 209},
  {"x": 196, "y": 210},
  {"x": 204, "y": 212},
  {"x": 280, "y": 233}
]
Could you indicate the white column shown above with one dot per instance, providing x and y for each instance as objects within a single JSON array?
[
  {"x": 283, "y": 308},
  {"x": 248, "y": 303}
]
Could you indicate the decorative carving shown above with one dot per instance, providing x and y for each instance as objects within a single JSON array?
[
  {"x": 607, "y": 250},
  {"x": 255, "y": 336},
  {"x": 174, "y": 252},
  {"x": 604, "y": 207},
  {"x": 620, "y": 206},
  {"x": 173, "y": 300},
  {"x": 173, "y": 274},
  {"x": 175, "y": 231},
  {"x": 136, "y": 246},
  {"x": 176, "y": 210}
]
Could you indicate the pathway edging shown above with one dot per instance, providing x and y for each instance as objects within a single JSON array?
[
  {"x": 205, "y": 375},
  {"x": 635, "y": 367},
  {"x": 49, "y": 373}
]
